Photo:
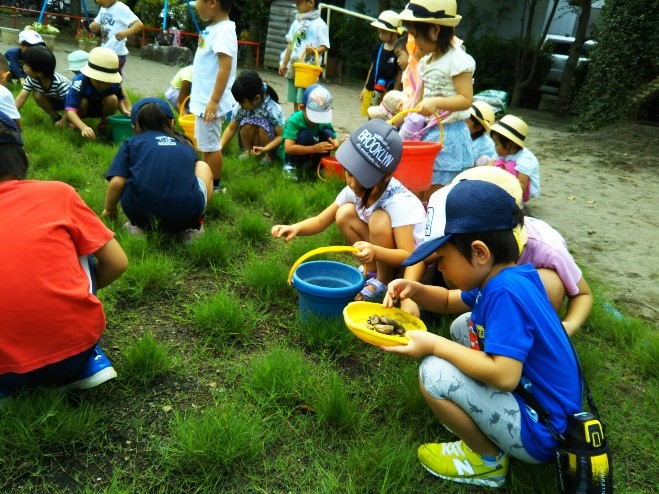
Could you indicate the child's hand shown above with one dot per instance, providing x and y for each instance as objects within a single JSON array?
[
  {"x": 420, "y": 343},
  {"x": 366, "y": 252},
  {"x": 121, "y": 35},
  {"x": 60, "y": 123},
  {"x": 310, "y": 50},
  {"x": 334, "y": 142},
  {"x": 258, "y": 150},
  {"x": 399, "y": 289},
  {"x": 88, "y": 133},
  {"x": 210, "y": 113},
  {"x": 282, "y": 69},
  {"x": 126, "y": 112},
  {"x": 322, "y": 147},
  {"x": 427, "y": 107},
  {"x": 287, "y": 231},
  {"x": 95, "y": 27}
]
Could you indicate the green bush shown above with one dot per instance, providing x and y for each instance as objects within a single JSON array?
[
  {"x": 495, "y": 66},
  {"x": 352, "y": 39}
]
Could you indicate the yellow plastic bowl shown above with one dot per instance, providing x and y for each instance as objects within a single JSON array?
[{"x": 356, "y": 316}]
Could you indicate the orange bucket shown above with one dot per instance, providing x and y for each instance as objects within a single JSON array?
[
  {"x": 331, "y": 168},
  {"x": 187, "y": 123},
  {"x": 417, "y": 160},
  {"x": 307, "y": 74}
]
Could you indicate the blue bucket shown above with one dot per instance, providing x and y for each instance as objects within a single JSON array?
[{"x": 326, "y": 287}]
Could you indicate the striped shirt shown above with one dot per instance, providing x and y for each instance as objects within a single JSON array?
[{"x": 57, "y": 90}]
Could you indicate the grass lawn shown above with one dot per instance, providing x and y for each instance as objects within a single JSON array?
[{"x": 222, "y": 389}]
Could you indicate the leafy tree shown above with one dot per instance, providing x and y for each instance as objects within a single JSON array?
[{"x": 622, "y": 65}]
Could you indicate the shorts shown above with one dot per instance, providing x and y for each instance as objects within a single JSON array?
[
  {"x": 204, "y": 191},
  {"x": 94, "y": 108},
  {"x": 122, "y": 62},
  {"x": 208, "y": 135},
  {"x": 294, "y": 94}
]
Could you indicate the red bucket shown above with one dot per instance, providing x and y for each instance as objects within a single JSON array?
[
  {"x": 416, "y": 163},
  {"x": 331, "y": 168}
]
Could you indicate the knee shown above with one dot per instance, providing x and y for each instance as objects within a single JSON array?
[
  {"x": 380, "y": 222},
  {"x": 305, "y": 138},
  {"x": 345, "y": 214},
  {"x": 436, "y": 376},
  {"x": 460, "y": 329},
  {"x": 326, "y": 135},
  {"x": 554, "y": 287}
]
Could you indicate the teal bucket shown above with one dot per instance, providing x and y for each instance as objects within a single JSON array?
[
  {"x": 326, "y": 287},
  {"x": 121, "y": 128}
]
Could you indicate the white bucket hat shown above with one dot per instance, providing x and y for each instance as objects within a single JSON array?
[
  {"x": 388, "y": 107},
  {"x": 103, "y": 65},
  {"x": 512, "y": 127},
  {"x": 482, "y": 112},
  {"x": 389, "y": 21},
  {"x": 442, "y": 12}
]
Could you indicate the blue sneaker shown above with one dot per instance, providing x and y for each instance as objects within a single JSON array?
[{"x": 98, "y": 369}]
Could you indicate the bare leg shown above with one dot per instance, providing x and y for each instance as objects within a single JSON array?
[
  {"x": 214, "y": 160},
  {"x": 45, "y": 104},
  {"x": 248, "y": 136},
  {"x": 353, "y": 228},
  {"x": 109, "y": 107},
  {"x": 203, "y": 171},
  {"x": 382, "y": 234}
]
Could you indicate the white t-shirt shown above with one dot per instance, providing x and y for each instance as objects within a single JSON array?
[
  {"x": 403, "y": 207},
  {"x": 438, "y": 77},
  {"x": 528, "y": 164},
  {"x": 309, "y": 33},
  {"x": 117, "y": 17},
  {"x": 215, "y": 39},
  {"x": 7, "y": 105}
]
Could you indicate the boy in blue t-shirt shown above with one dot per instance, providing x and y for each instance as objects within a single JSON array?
[
  {"x": 309, "y": 135},
  {"x": 518, "y": 338},
  {"x": 96, "y": 92}
]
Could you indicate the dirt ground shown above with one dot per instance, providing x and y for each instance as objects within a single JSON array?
[{"x": 599, "y": 189}]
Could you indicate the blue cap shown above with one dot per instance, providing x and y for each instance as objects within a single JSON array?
[
  {"x": 164, "y": 106},
  {"x": 467, "y": 206},
  {"x": 14, "y": 134}
]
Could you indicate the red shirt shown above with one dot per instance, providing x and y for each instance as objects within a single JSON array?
[{"x": 47, "y": 313}]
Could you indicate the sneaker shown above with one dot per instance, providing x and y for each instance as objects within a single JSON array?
[
  {"x": 133, "y": 229},
  {"x": 289, "y": 172},
  {"x": 219, "y": 188},
  {"x": 192, "y": 234},
  {"x": 456, "y": 462},
  {"x": 98, "y": 369},
  {"x": 244, "y": 155}
]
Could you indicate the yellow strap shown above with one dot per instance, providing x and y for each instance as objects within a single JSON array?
[{"x": 321, "y": 250}]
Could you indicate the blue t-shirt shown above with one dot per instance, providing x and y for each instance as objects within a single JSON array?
[
  {"x": 513, "y": 317},
  {"x": 161, "y": 183},
  {"x": 82, "y": 87},
  {"x": 484, "y": 146}
]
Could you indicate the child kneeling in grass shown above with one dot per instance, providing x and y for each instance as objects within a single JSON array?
[
  {"x": 157, "y": 176},
  {"x": 375, "y": 212},
  {"x": 96, "y": 92},
  {"x": 51, "y": 318},
  {"x": 47, "y": 87},
  {"x": 515, "y": 339}
]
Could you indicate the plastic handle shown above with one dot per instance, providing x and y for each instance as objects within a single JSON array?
[
  {"x": 414, "y": 110},
  {"x": 321, "y": 250},
  {"x": 316, "y": 57},
  {"x": 180, "y": 110}
]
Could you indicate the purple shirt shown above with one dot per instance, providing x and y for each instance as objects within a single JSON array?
[{"x": 546, "y": 248}]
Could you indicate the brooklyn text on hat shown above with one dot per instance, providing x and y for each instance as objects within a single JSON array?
[
  {"x": 388, "y": 107},
  {"x": 512, "y": 127},
  {"x": 482, "y": 112},
  {"x": 317, "y": 102},
  {"x": 30, "y": 37},
  {"x": 442, "y": 12},
  {"x": 389, "y": 21},
  {"x": 103, "y": 65},
  {"x": 468, "y": 206},
  {"x": 371, "y": 152},
  {"x": 162, "y": 104}
]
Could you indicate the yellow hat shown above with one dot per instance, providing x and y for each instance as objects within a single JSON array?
[
  {"x": 389, "y": 21},
  {"x": 442, "y": 12},
  {"x": 482, "y": 112},
  {"x": 102, "y": 65},
  {"x": 512, "y": 127}
]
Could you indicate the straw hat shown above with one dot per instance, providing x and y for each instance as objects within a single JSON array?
[
  {"x": 512, "y": 127},
  {"x": 482, "y": 112},
  {"x": 442, "y": 12},
  {"x": 103, "y": 65},
  {"x": 389, "y": 21}
]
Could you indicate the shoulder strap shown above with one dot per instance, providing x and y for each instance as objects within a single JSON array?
[{"x": 377, "y": 64}]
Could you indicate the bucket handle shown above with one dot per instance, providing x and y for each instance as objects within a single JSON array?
[
  {"x": 321, "y": 250},
  {"x": 180, "y": 110},
  {"x": 316, "y": 58},
  {"x": 414, "y": 110}
]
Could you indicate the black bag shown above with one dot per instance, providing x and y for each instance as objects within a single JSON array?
[{"x": 583, "y": 458}]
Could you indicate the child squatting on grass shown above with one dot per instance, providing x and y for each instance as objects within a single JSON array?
[
  {"x": 539, "y": 245},
  {"x": 158, "y": 177},
  {"x": 96, "y": 92},
  {"x": 374, "y": 212},
  {"x": 514, "y": 339},
  {"x": 51, "y": 318}
]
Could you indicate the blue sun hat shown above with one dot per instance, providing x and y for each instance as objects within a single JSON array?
[{"x": 164, "y": 106}]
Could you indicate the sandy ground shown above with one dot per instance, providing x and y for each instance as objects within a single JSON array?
[{"x": 599, "y": 189}]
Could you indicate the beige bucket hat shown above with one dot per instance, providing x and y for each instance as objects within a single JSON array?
[
  {"x": 512, "y": 127},
  {"x": 442, "y": 12},
  {"x": 389, "y": 21},
  {"x": 483, "y": 112},
  {"x": 103, "y": 65}
]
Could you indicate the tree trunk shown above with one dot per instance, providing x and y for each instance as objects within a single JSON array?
[
  {"x": 565, "y": 89},
  {"x": 523, "y": 73}
]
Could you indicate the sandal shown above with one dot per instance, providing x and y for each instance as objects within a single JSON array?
[
  {"x": 369, "y": 274},
  {"x": 378, "y": 293}
]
